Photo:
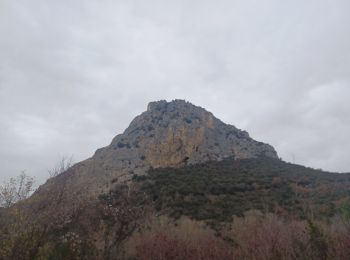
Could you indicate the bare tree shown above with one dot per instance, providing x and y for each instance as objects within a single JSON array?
[
  {"x": 123, "y": 212},
  {"x": 16, "y": 189},
  {"x": 61, "y": 166}
]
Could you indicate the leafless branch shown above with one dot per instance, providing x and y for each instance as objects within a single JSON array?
[
  {"x": 16, "y": 189},
  {"x": 62, "y": 165}
]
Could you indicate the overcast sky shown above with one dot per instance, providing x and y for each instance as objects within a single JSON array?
[{"x": 73, "y": 74}]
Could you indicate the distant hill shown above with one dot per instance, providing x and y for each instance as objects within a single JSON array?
[{"x": 175, "y": 164}]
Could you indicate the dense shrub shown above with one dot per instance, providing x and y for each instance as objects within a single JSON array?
[
  {"x": 163, "y": 246},
  {"x": 216, "y": 191}
]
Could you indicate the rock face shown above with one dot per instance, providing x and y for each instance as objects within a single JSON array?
[{"x": 168, "y": 134}]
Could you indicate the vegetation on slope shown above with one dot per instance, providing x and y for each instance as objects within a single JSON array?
[
  {"x": 216, "y": 191},
  {"x": 260, "y": 209}
]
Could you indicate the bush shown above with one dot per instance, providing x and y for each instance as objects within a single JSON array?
[{"x": 218, "y": 190}]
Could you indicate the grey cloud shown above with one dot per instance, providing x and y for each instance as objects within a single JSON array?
[{"x": 74, "y": 74}]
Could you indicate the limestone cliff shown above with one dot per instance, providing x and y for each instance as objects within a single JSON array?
[{"x": 168, "y": 134}]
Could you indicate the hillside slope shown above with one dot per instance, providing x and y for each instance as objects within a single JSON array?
[
  {"x": 168, "y": 134},
  {"x": 217, "y": 191}
]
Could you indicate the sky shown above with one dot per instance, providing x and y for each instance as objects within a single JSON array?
[{"x": 73, "y": 74}]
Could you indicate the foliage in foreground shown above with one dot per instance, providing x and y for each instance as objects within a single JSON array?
[
  {"x": 93, "y": 230},
  {"x": 254, "y": 236},
  {"x": 15, "y": 190}
]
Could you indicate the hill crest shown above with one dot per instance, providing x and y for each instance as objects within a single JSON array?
[{"x": 167, "y": 134}]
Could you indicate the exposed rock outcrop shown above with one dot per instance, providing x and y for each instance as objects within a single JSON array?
[{"x": 168, "y": 134}]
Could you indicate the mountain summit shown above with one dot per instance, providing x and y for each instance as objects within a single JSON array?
[
  {"x": 168, "y": 134},
  {"x": 171, "y": 134}
]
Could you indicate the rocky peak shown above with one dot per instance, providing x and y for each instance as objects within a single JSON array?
[
  {"x": 171, "y": 134},
  {"x": 168, "y": 134}
]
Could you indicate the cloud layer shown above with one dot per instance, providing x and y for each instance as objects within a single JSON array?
[{"x": 73, "y": 74}]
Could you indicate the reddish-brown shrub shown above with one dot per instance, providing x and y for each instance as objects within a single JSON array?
[
  {"x": 254, "y": 236},
  {"x": 162, "y": 246}
]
